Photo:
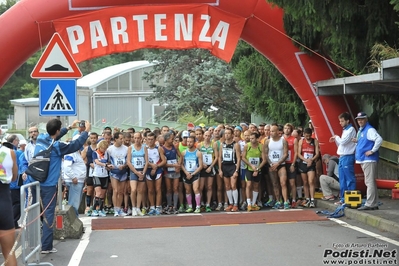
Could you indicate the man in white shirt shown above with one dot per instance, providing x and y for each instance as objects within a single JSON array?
[{"x": 346, "y": 152}]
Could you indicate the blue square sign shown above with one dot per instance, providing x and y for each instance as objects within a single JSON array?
[{"x": 57, "y": 97}]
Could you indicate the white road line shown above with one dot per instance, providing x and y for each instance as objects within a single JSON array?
[
  {"x": 380, "y": 237},
  {"x": 79, "y": 251}
]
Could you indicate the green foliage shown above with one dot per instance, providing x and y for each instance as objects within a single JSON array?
[
  {"x": 341, "y": 29},
  {"x": 265, "y": 90},
  {"x": 190, "y": 81}
]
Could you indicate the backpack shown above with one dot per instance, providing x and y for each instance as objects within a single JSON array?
[{"x": 39, "y": 165}]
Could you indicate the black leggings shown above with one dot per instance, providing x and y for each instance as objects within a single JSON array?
[{"x": 7, "y": 219}]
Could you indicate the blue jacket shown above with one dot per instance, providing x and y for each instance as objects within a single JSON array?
[
  {"x": 57, "y": 153},
  {"x": 364, "y": 145}
]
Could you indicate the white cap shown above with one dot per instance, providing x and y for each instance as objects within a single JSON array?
[
  {"x": 22, "y": 142},
  {"x": 185, "y": 134}
]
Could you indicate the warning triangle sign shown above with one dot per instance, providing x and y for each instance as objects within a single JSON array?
[
  {"x": 56, "y": 61},
  {"x": 57, "y": 101}
]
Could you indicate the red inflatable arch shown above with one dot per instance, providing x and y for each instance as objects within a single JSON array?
[{"x": 29, "y": 25}]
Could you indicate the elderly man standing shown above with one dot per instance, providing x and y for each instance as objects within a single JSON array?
[{"x": 368, "y": 143}]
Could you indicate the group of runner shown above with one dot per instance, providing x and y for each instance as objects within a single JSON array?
[{"x": 218, "y": 168}]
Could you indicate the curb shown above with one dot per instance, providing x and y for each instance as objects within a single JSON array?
[{"x": 364, "y": 217}]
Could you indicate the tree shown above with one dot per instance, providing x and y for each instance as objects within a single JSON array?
[
  {"x": 266, "y": 92},
  {"x": 190, "y": 81}
]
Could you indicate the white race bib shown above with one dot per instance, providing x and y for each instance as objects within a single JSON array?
[
  {"x": 307, "y": 155},
  {"x": 138, "y": 162},
  {"x": 275, "y": 156},
  {"x": 227, "y": 155},
  {"x": 170, "y": 169},
  {"x": 207, "y": 158},
  {"x": 254, "y": 161},
  {"x": 190, "y": 165}
]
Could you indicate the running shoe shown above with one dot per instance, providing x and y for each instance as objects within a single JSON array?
[
  {"x": 255, "y": 207},
  {"x": 235, "y": 208},
  {"x": 277, "y": 205},
  {"x": 202, "y": 209},
  {"x": 144, "y": 211},
  {"x": 175, "y": 211},
  {"x": 116, "y": 214},
  {"x": 293, "y": 204},
  {"x": 219, "y": 207},
  {"x": 168, "y": 210},
  {"x": 157, "y": 211},
  {"x": 88, "y": 211},
  {"x": 208, "y": 209},
  {"x": 306, "y": 204},
  {"x": 312, "y": 205},
  {"x": 53, "y": 250},
  {"x": 182, "y": 209},
  {"x": 243, "y": 206},
  {"x": 269, "y": 203},
  {"x": 197, "y": 209},
  {"x": 260, "y": 203},
  {"x": 101, "y": 213},
  {"x": 189, "y": 209},
  {"x": 94, "y": 213},
  {"x": 286, "y": 205},
  {"x": 229, "y": 208},
  {"x": 151, "y": 212},
  {"x": 134, "y": 212},
  {"x": 139, "y": 213},
  {"x": 249, "y": 208},
  {"x": 122, "y": 213},
  {"x": 129, "y": 211}
]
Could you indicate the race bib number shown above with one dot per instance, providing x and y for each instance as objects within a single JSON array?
[
  {"x": 170, "y": 169},
  {"x": 307, "y": 155},
  {"x": 254, "y": 161},
  {"x": 227, "y": 155},
  {"x": 289, "y": 156},
  {"x": 275, "y": 156},
  {"x": 138, "y": 162},
  {"x": 190, "y": 165},
  {"x": 207, "y": 158}
]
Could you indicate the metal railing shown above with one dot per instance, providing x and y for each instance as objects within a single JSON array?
[{"x": 31, "y": 228}]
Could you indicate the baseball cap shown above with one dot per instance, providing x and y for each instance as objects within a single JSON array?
[
  {"x": 243, "y": 125},
  {"x": 185, "y": 134},
  {"x": 202, "y": 125},
  {"x": 361, "y": 115}
]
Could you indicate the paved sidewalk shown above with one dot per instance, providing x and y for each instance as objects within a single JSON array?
[{"x": 385, "y": 219}]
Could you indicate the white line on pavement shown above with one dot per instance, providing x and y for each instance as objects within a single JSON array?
[
  {"x": 383, "y": 238},
  {"x": 79, "y": 251}
]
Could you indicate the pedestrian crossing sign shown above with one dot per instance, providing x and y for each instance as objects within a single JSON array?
[{"x": 57, "y": 97}]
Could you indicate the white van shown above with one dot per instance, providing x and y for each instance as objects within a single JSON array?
[{"x": 3, "y": 129}]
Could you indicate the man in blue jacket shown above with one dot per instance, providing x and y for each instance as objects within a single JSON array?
[
  {"x": 368, "y": 143},
  {"x": 48, "y": 188}
]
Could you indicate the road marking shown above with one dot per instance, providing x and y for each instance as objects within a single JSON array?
[
  {"x": 383, "y": 238},
  {"x": 84, "y": 242},
  {"x": 293, "y": 222}
]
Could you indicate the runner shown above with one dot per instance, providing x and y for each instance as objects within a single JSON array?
[
  {"x": 154, "y": 175},
  {"x": 291, "y": 160},
  {"x": 254, "y": 158},
  {"x": 191, "y": 166},
  {"x": 229, "y": 167},
  {"x": 308, "y": 153},
  {"x": 210, "y": 156},
  {"x": 277, "y": 150},
  {"x": 137, "y": 161},
  {"x": 87, "y": 155},
  {"x": 100, "y": 177},
  {"x": 172, "y": 173},
  {"x": 118, "y": 172}
]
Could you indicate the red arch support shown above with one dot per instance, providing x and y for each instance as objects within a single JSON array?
[{"x": 28, "y": 26}]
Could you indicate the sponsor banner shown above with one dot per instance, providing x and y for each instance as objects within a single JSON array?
[
  {"x": 128, "y": 28},
  {"x": 90, "y": 4}
]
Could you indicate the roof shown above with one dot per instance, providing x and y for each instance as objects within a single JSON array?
[
  {"x": 386, "y": 81},
  {"x": 25, "y": 102},
  {"x": 99, "y": 77}
]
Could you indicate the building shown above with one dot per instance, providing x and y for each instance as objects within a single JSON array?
[{"x": 113, "y": 96}]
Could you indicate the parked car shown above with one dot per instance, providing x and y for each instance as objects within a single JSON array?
[
  {"x": 5, "y": 136},
  {"x": 3, "y": 129}
]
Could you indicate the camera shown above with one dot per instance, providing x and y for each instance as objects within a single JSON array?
[{"x": 82, "y": 123}]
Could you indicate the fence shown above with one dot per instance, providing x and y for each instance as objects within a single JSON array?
[{"x": 31, "y": 224}]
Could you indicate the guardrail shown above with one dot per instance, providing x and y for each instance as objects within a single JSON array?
[{"x": 31, "y": 224}]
